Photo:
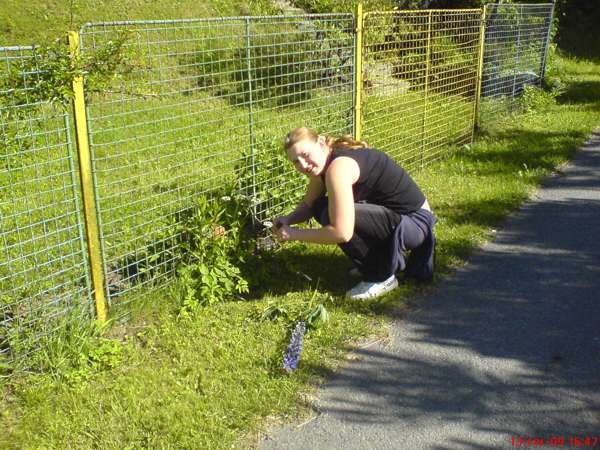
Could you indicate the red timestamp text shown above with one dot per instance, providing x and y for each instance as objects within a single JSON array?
[{"x": 574, "y": 441}]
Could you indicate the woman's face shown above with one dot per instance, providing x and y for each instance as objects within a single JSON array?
[{"x": 308, "y": 157}]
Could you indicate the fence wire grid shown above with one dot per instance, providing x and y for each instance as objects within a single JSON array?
[
  {"x": 198, "y": 108},
  {"x": 420, "y": 79},
  {"x": 43, "y": 267},
  {"x": 516, "y": 45}
]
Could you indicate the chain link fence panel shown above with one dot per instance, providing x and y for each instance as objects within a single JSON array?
[
  {"x": 420, "y": 80},
  {"x": 199, "y": 108},
  {"x": 43, "y": 270}
]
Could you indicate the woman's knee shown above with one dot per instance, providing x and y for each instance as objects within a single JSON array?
[{"x": 412, "y": 234}]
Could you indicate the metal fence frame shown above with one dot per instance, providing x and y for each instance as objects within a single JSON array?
[
  {"x": 43, "y": 269},
  {"x": 191, "y": 88},
  {"x": 516, "y": 39}
]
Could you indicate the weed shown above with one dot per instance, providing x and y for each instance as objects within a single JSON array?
[
  {"x": 214, "y": 247},
  {"x": 537, "y": 99},
  {"x": 70, "y": 348},
  {"x": 105, "y": 354}
]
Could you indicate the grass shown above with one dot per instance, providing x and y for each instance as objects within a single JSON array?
[
  {"x": 211, "y": 378},
  {"x": 45, "y": 20}
]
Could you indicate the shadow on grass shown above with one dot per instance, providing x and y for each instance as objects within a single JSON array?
[
  {"x": 536, "y": 149},
  {"x": 529, "y": 153},
  {"x": 582, "y": 92},
  {"x": 288, "y": 270}
]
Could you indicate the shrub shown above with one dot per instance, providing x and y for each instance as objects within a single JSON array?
[
  {"x": 213, "y": 248},
  {"x": 46, "y": 76},
  {"x": 536, "y": 99}
]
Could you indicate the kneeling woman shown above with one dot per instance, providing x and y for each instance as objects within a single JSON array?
[{"x": 367, "y": 204}]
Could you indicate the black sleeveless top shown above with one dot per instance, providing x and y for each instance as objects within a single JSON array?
[{"x": 382, "y": 181}]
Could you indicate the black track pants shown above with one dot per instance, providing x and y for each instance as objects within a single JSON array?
[{"x": 371, "y": 244}]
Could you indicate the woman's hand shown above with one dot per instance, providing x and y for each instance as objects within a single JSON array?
[{"x": 282, "y": 232}]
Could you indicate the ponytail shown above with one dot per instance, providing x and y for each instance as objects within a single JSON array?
[{"x": 345, "y": 142}]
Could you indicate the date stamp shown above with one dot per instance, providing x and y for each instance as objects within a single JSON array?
[{"x": 556, "y": 441}]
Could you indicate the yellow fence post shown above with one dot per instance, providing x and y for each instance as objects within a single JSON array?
[
  {"x": 427, "y": 72},
  {"x": 87, "y": 186},
  {"x": 479, "y": 79},
  {"x": 358, "y": 69}
]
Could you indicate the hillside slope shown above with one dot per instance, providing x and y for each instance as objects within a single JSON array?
[{"x": 44, "y": 20}]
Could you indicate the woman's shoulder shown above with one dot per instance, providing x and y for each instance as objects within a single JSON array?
[{"x": 343, "y": 166}]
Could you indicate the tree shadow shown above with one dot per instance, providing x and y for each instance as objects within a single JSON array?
[
  {"x": 581, "y": 92},
  {"x": 507, "y": 348}
]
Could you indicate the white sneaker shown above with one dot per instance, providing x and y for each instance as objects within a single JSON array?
[{"x": 372, "y": 289}]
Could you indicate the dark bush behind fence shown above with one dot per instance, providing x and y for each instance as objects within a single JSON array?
[{"x": 195, "y": 108}]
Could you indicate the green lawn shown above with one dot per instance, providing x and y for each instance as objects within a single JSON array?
[
  {"x": 45, "y": 20},
  {"x": 211, "y": 378}
]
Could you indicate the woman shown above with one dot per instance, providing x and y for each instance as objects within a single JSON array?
[{"x": 367, "y": 204}]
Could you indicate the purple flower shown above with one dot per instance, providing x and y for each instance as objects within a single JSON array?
[{"x": 292, "y": 355}]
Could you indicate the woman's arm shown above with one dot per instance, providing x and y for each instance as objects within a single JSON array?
[
  {"x": 303, "y": 212},
  {"x": 341, "y": 175}
]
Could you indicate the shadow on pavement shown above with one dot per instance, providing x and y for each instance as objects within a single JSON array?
[{"x": 508, "y": 346}]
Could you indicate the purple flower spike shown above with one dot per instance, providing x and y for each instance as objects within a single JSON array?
[{"x": 292, "y": 355}]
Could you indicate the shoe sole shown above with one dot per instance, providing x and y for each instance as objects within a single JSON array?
[{"x": 387, "y": 291}]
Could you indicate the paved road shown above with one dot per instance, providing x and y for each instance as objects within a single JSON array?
[{"x": 508, "y": 346}]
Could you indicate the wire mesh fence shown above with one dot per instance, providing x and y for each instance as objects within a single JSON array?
[
  {"x": 43, "y": 270},
  {"x": 516, "y": 45},
  {"x": 196, "y": 109},
  {"x": 199, "y": 108},
  {"x": 420, "y": 81}
]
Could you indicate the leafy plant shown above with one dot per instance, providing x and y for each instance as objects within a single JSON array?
[
  {"x": 536, "y": 99},
  {"x": 105, "y": 354},
  {"x": 214, "y": 248},
  {"x": 312, "y": 315},
  {"x": 46, "y": 75}
]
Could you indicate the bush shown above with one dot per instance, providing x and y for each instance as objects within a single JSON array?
[
  {"x": 536, "y": 99},
  {"x": 46, "y": 76},
  {"x": 213, "y": 248}
]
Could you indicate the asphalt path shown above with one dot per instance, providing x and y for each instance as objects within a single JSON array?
[{"x": 504, "y": 350}]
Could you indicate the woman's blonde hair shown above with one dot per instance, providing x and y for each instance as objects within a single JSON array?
[{"x": 346, "y": 141}]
